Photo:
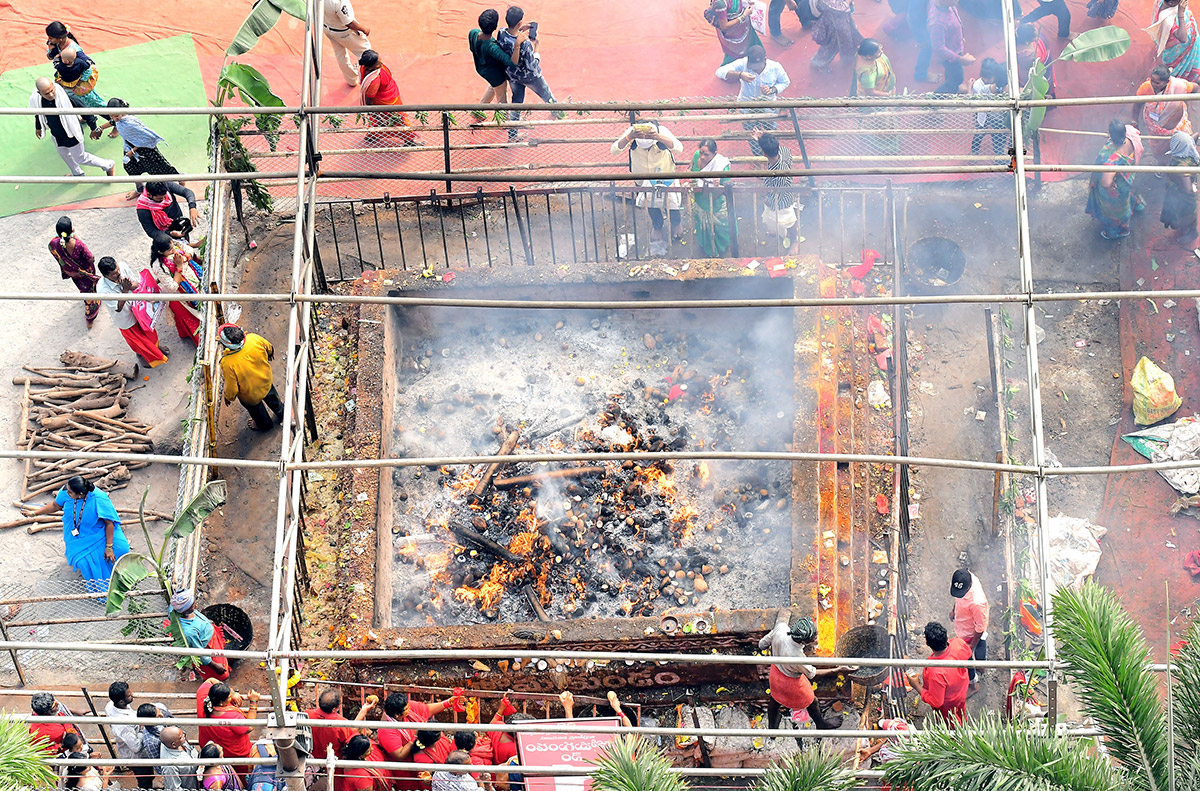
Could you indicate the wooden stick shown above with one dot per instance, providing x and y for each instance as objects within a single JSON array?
[
  {"x": 98, "y": 402},
  {"x": 24, "y": 430},
  {"x": 484, "y": 542},
  {"x": 570, "y": 472},
  {"x": 79, "y": 360},
  {"x": 534, "y": 603},
  {"x": 28, "y": 520},
  {"x": 110, "y": 420},
  {"x": 57, "y": 381},
  {"x": 510, "y": 443}
]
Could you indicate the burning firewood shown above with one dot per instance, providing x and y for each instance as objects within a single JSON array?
[
  {"x": 484, "y": 542},
  {"x": 532, "y": 596},
  {"x": 510, "y": 444},
  {"x": 570, "y": 472}
]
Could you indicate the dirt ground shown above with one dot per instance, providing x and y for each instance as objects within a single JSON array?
[
  {"x": 35, "y": 333},
  {"x": 951, "y": 383}
]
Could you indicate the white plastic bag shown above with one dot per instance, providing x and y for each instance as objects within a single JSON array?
[{"x": 758, "y": 17}]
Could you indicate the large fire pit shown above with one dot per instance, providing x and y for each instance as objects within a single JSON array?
[
  {"x": 552, "y": 541},
  {"x": 667, "y": 555}
]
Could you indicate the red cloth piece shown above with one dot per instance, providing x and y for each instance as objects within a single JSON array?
[
  {"x": 869, "y": 258},
  {"x": 1191, "y": 563}
]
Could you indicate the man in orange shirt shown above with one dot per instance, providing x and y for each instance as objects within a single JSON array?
[
  {"x": 329, "y": 707},
  {"x": 970, "y": 614},
  {"x": 944, "y": 688}
]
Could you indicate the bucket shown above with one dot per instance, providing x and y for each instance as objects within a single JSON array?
[
  {"x": 932, "y": 264},
  {"x": 235, "y": 624}
]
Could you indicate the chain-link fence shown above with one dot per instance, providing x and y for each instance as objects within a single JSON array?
[
  {"x": 545, "y": 140},
  {"x": 71, "y": 610}
]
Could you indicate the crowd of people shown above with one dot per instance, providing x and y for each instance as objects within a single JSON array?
[{"x": 157, "y": 738}]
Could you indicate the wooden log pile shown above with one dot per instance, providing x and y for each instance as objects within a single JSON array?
[{"x": 79, "y": 406}]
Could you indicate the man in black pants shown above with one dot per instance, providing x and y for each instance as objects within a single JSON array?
[
  {"x": 1056, "y": 7},
  {"x": 804, "y": 13}
]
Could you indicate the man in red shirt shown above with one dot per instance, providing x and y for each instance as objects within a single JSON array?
[
  {"x": 398, "y": 708},
  {"x": 43, "y": 704},
  {"x": 329, "y": 707},
  {"x": 944, "y": 688},
  {"x": 361, "y": 748}
]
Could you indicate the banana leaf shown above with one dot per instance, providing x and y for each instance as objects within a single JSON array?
[
  {"x": 1097, "y": 45},
  {"x": 1036, "y": 88},
  {"x": 251, "y": 86},
  {"x": 128, "y": 572},
  {"x": 210, "y": 498},
  {"x": 263, "y": 16}
]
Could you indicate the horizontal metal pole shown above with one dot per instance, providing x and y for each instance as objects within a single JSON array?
[
  {"x": 518, "y": 175},
  {"x": 78, "y": 693},
  {"x": 632, "y": 657},
  {"x": 203, "y": 461},
  {"x": 241, "y": 175},
  {"x": 447, "y": 654},
  {"x": 241, "y": 110},
  {"x": 91, "y": 296},
  {"x": 125, "y": 648},
  {"x": 965, "y": 103},
  {"x": 631, "y": 304},
  {"x": 1044, "y": 168},
  {"x": 69, "y": 597},
  {"x": 709, "y": 455},
  {"x": 119, "y": 617}
]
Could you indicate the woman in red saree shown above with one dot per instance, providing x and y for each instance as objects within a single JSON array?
[{"x": 379, "y": 88}]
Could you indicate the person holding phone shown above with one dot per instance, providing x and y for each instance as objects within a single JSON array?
[{"x": 526, "y": 69}]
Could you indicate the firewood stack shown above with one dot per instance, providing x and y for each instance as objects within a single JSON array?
[{"x": 80, "y": 406}]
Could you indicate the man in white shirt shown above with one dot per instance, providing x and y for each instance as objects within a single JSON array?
[
  {"x": 348, "y": 37},
  {"x": 760, "y": 80},
  {"x": 128, "y": 738}
]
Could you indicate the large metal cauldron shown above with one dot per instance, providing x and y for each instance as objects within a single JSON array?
[
  {"x": 865, "y": 642},
  {"x": 932, "y": 264}
]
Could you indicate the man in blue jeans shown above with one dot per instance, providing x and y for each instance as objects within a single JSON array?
[{"x": 526, "y": 72}]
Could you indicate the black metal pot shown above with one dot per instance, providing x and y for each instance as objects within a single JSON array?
[
  {"x": 235, "y": 624},
  {"x": 865, "y": 642},
  {"x": 932, "y": 264}
]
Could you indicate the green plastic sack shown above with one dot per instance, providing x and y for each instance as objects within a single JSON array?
[{"x": 1154, "y": 396}]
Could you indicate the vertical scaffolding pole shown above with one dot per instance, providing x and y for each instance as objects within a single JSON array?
[
  {"x": 1024, "y": 252},
  {"x": 283, "y": 722}
]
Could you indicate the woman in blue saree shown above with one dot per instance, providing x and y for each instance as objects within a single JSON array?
[{"x": 91, "y": 531}]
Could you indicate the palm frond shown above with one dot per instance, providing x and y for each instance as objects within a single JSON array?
[
  {"x": 990, "y": 755},
  {"x": 1104, "y": 657},
  {"x": 22, "y": 760},
  {"x": 632, "y": 763},
  {"x": 813, "y": 770},
  {"x": 1185, "y": 690}
]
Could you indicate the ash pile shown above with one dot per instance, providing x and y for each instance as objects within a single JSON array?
[{"x": 555, "y": 541}]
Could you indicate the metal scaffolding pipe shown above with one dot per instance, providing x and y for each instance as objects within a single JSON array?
[
  {"x": 516, "y": 175},
  {"x": 649, "y": 304}
]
